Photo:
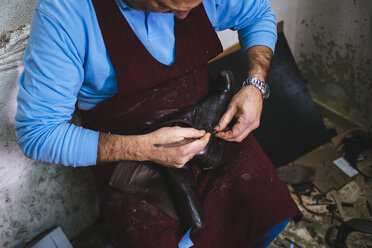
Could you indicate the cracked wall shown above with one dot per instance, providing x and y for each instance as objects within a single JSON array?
[
  {"x": 34, "y": 196},
  {"x": 333, "y": 49},
  {"x": 15, "y": 13}
]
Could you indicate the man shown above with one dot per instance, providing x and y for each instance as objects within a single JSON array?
[{"x": 127, "y": 63}]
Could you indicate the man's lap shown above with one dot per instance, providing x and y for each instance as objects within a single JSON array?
[{"x": 240, "y": 206}]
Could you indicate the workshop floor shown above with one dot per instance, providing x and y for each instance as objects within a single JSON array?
[{"x": 312, "y": 229}]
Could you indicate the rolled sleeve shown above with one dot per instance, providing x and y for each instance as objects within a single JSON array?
[
  {"x": 262, "y": 32},
  {"x": 47, "y": 95},
  {"x": 253, "y": 19}
]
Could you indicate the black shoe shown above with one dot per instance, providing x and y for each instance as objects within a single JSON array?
[
  {"x": 183, "y": 189},
  {"x": 185, "y": 196},
  {"x": 205, "y": 115}
]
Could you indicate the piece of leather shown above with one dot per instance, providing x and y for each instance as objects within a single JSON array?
[{"x": 147, "y": 182}]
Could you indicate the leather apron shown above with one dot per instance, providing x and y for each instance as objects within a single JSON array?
[{"x": 246, "y": 198}]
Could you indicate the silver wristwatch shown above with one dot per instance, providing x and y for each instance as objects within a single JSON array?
[{"x": 262, "y": 86}]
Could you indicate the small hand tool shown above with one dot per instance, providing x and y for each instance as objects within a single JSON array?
[{"x": 177, "y": 143}]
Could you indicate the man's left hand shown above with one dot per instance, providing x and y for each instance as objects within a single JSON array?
[{"x": 246, "y": 108}]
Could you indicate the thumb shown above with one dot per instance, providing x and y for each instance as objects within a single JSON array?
[
  {"x": 226, "y": 118},
  {"x": 191, "y": 133},
  {"x": 199, "y": 144}
]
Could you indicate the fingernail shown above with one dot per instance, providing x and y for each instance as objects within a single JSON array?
[{"x": 217, "y": 127}]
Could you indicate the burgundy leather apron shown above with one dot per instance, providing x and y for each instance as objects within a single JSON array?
[{"x": 242, "y": 199}]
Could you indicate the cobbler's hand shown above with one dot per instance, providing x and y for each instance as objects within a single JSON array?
[
  {"x": 246, "y": 108},
  {"x": 177, "y": 156}
]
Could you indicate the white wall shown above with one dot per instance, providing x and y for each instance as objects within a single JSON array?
[
  {"x": 286, "y": 10},
  {"x": 333, "y": 49},
  {"x": 33, "y": 196},
  {"x": 15, "y": 13}
]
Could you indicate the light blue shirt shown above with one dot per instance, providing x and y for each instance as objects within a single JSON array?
[{"x": 66, "y": 62}]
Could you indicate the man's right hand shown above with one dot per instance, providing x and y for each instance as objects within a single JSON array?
[
  {"x": 114, "y": 147},
  {"x": 176, "y": 156}
]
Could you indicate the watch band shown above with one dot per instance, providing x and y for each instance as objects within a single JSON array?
[{"x": 262, "y": 86}]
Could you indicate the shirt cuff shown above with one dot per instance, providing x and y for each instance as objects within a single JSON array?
[
  {"x": 252, "y": 36},
  {"x": 88, "y": 148}
]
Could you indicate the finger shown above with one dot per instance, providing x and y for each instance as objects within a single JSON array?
[
  {"x": 252, "y": 126},
  {"x": 243, "y": 135},
  {"x": 205, "y": 139},
  {"x": 238, "y": 136},
  {"x": 226, "y": 118},
  {"x": 202, "y": 142},
  {"x": 199, "y": 144},
  {"x": 187, "y": 152},
  {"x": 238, "y": 129},
  {"x": 188, "y": 132}
]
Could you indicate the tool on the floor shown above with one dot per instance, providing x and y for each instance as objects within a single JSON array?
[
  {"x": 353, "y": 225},
  {"x": 354, "y": 145},
  {"x": 335, "y": 197}
]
